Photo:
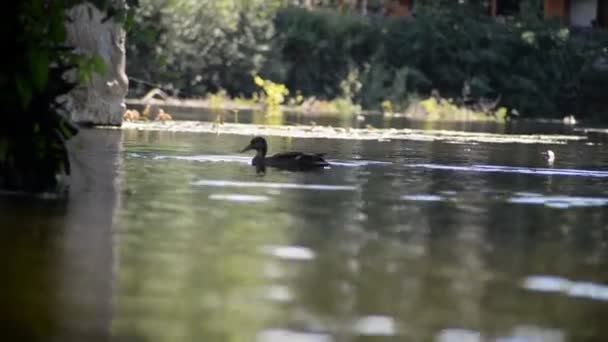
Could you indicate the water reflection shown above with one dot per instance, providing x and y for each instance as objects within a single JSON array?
[
  {"x": 280, "y": 335},
  {"x": 57, "y": 254},
  {"x": 510, "y": 169},
  {"x": 580, "y": 289},
  {"x": 377, "y": 246},
  {"x": 373, "y": 248}
]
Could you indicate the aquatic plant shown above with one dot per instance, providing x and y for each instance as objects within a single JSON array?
[{"x": 273, "y": 94}]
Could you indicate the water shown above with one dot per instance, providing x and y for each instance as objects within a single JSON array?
[{"x": 397, "y": 241}]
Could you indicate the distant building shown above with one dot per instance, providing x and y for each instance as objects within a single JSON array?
[
  {"x": 577, "y": 13},
  {"x": 581, "y": 13},
  {"x": 398, "y": 8}
]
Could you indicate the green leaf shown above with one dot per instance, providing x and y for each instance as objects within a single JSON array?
[
  {"x": 25, "y": 91},
  {"x": 98, "y": 64},
  {"x": 67, "y": 129},
  {"x": 39, "y": 67}
]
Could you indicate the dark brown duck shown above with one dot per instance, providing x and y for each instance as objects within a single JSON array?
[{"x": 292, "y": 161}]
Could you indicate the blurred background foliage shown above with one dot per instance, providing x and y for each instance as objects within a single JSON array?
[
  {"x": 537, "y": 66},
  {"x": 193, "y": 47}
]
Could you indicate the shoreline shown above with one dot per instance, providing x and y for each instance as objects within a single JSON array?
[
  {"x": 328, "y": 132},
  {"x": 423, "y": 110}
]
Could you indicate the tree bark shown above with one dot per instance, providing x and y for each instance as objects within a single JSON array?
[{"x": 100, "y": 101}]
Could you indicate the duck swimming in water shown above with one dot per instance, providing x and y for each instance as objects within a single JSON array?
[{"x": 292, "y": 161}]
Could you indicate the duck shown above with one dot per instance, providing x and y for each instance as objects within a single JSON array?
[
  {"x": 291, "y": 161},
  {"x": 131, "y": 115},
  {"x": 163, "y": 116}
]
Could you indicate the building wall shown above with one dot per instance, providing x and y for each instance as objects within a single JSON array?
[
  {"x": 583, "y": 12},
  {"x": 603, "y": 13},
  {"x": 397, "y": 8},
  {"x": 556, "y": 9}
]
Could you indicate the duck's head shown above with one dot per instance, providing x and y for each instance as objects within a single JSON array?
[{"x": 258, "y": 144}]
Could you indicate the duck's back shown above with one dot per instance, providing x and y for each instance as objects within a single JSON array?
[{"x": 297, "y": 160}]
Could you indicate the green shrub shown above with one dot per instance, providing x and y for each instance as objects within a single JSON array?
[
  {"x": 313, "y": 51},
  {"x": 195, "y": 47},
  {"x": 536, "y": 66}
]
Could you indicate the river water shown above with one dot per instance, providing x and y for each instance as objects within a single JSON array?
[{"x": 396, "y": 241}]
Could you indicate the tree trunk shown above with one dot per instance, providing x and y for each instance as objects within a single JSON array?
[{"x": 100, "y": 101}]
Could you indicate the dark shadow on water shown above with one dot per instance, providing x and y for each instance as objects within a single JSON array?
[{"x": 57, "y": 253}]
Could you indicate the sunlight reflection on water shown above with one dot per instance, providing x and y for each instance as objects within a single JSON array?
[
  {"x": 560, "y": 201},
  {"x": 228, "y": 183},
  {"x": 375, "y": 326},
  {"x": 239, "y": 198},
  {"x": 290, "y": 252},
  {"x": 512, "y": 169},
  {"x": 284, "y": 335},
  {"x": 556, "y": 202},
  {"x": 208, "y": 158},
  {"x": 423, "y": 198},
  {"x": 524, "y": 333},
  {"x": 582, "y": 289}
]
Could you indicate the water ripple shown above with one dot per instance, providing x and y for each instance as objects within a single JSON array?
[
  {"x": 423, "y": 198},
  {"x": 580, "y": 289},
  {"x": 214, "y": 158},
  {"x": 356, "y": 163},
  {"x": 208, "y": 158},
  {"x": 282, "y": 335},
  {"x": 290, "y": 252},
  {"x": 279, "y": 293},
  {"x": 561, "y": 202},
  {"x": 514, "y": 169},
  {"x": 229, "y": 183},
  {"x": 375, "y": 326},
  {"x": 239, "y": 198}
]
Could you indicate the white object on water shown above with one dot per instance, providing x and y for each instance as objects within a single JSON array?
[
  {"x": 569, "y": 120},
  {"x": 375, "y": 326},
  {"x": 289, "y": 252},
  {"x": 549, "y": 156}
]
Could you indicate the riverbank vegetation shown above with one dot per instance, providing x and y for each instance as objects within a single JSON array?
[
  {"x": 456, "y": 53},
  {"x": 35, "y": 122}
]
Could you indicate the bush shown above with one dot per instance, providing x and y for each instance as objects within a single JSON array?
[
  {"x": 35, "y": 124},
  {"x": 193, "y": 47},
  {"x": 313, "y": 51},
  {"x": 538, "y": 67}
]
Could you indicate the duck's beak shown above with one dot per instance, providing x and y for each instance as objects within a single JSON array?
[{"x": 247, "y": 148}]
